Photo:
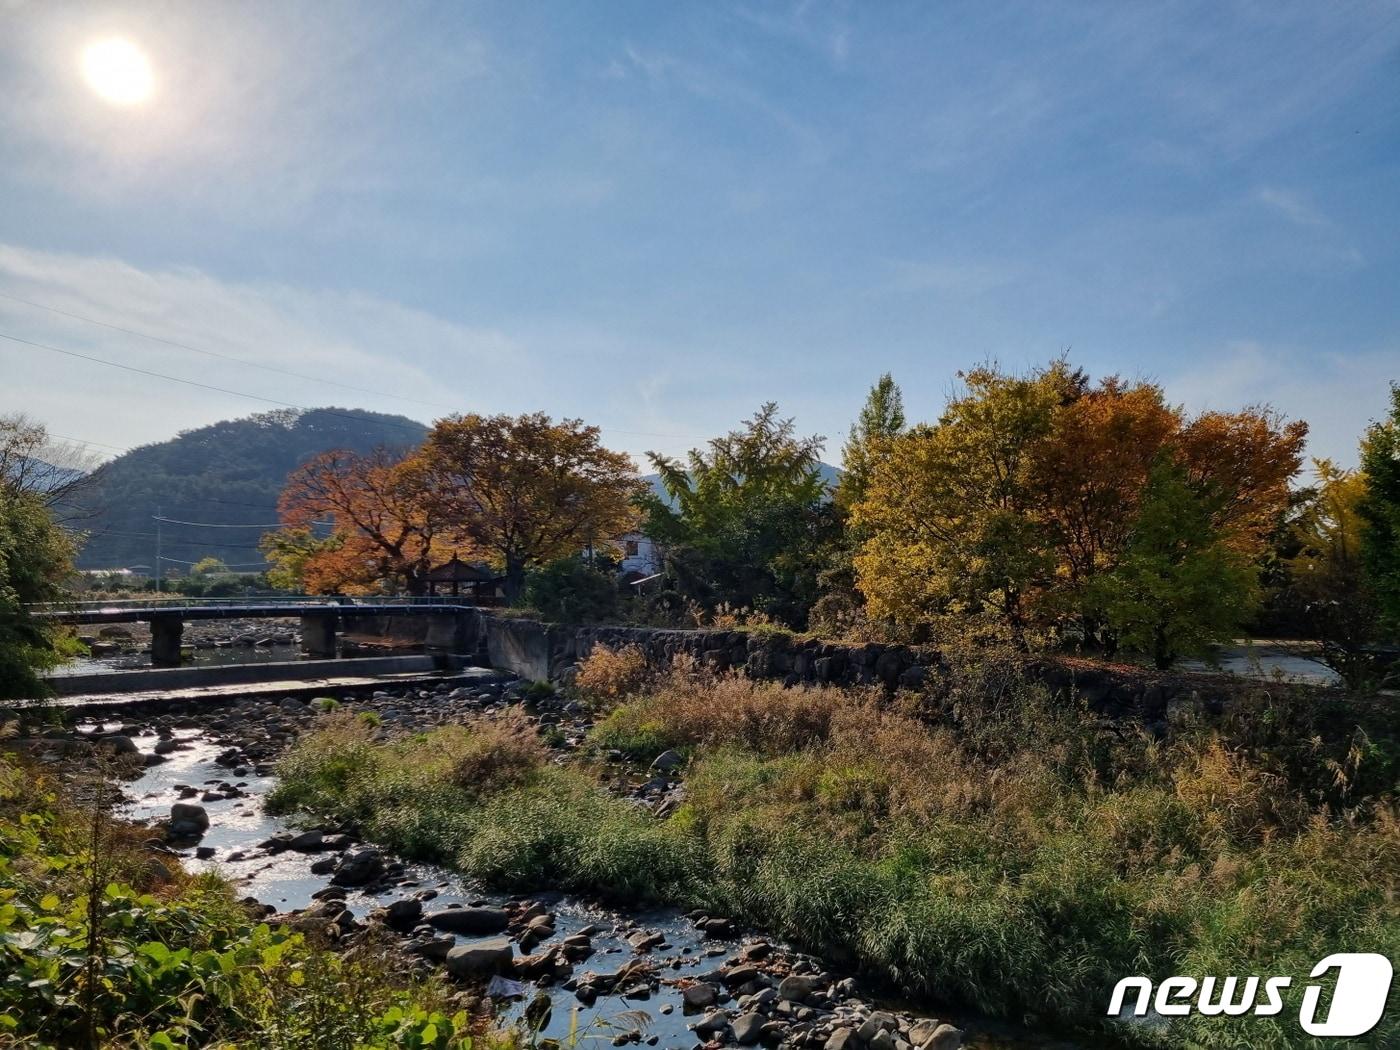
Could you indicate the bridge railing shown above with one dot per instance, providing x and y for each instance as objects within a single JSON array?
[{"x": 180, "y": 601}]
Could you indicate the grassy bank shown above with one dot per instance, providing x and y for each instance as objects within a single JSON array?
[
  {"x": 106, "y": 943},
  {"x": 994, "y": 848}
]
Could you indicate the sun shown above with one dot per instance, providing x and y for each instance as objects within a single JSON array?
[{"x": 118, "y": 71}]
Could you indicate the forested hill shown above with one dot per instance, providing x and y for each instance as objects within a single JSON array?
[{"x": 228, "y": 473}]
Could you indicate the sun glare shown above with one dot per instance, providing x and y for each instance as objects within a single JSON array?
[{"x": 118, "y": 71}]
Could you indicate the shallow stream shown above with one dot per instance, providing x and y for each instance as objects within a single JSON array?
[{"x": 285, "y": 881}]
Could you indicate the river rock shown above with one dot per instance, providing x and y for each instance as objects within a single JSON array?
[
  {"x": 946, "y": 1037},
  {"x": 736, "y": 976},
  {"x": 188, "y": 819},
  {"x": 480, "y": 959},
  {"x": 748, "y": 1027},
  {"x": 403, "y": 914},
  {"x": 471, "y": 921},
  {"x": 118, "y": 744},
  {"x": 712, "y": 1023},
  {"x": 920, "y": 1032},
  {"x": 668, "y": 761},
  {"x": 307, "y": 842},
  {"x": 645, "y": 940},
  {"x": 797, "y": 988},
  {"x": 359, "y": 868},
  {"x": 435, "y": 948},
  {"x": 841, "y": 1039},
  {"x": 698, "y": 996}
]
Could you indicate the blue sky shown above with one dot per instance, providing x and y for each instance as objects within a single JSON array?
[{"x": 656, "y": 216}]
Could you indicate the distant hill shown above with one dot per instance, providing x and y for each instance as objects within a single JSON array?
[{"x": 228, "y": 473}]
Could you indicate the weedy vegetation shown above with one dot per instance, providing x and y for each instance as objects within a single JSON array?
[
  {"x": 995, "y": 847},
  {"x": 104, "y": 943}
]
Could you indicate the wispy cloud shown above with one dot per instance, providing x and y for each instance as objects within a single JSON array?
[
  {"x": 1336, "y": 393},
  {"x": 349, "y": 338},
  {"x": 1292, "y": 206}
]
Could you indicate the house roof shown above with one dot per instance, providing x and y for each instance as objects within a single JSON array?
[{"x": 455, "y": 570}]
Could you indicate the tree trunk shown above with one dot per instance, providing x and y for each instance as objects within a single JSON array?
[
  {"x": 515, "y": 580},
  {"x": 1161, "y": 655}
]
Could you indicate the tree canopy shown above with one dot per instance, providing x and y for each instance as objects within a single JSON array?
[
  {"x": 35, "y": 558},
  {"x": 1031, "y": 488},
  {"x": 355, "y": 522},
  {"x": 525, "y": 490},
  {"x": 745, "y": 517}
]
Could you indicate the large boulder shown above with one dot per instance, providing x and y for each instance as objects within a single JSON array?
[
  {"x": 188, "y": 820},
  {"x": 481, "y": 958},
  {"x": 946, "y": 1037},
  {"x": 470, "y": 921},
  {"x": 359, "y": 868}
]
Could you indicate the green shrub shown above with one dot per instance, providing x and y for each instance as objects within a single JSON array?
[{"x": 103, "y": 944}]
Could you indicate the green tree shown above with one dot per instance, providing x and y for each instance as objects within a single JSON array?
[
  {"x": 1181, "y": 586},
  {"x": 1380, "y": 508},
  {"x": 881, "y": 419},
  {"x": 209, "y": 567},
  {"x": 573, "y": 590},
  {"x": 35, "y": 557},
  {"x": 745, "y": 518}
]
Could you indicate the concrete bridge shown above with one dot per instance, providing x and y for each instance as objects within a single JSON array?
[{"x": 451, "y": 624}]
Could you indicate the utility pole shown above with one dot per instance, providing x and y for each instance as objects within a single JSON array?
[{"x": 159, "y": 514}]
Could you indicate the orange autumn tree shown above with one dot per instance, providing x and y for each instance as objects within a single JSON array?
[
  {"x": 1093, "y": 468},
  {"x": 526, "y": 490},
  {"x": 1090, "y": 470},
  {"x": 385, "y": 529},
  {"x": 1247, "y": 460}
]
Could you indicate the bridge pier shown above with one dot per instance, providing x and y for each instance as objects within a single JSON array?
[
  {"x": 318, "y": 635},
  {"x": 451, "y": 633},
  {"x": 166, "y": 632}
]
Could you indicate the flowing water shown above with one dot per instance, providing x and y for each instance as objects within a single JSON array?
[{"x": 285, "y": 881}]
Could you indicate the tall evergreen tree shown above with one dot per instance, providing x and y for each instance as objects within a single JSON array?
[
  {"x": 1380, "y": 507},
  {"x": 881, "y": 418}
]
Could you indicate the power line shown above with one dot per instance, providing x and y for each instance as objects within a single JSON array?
[
  {"x": 81, "y": 441},
  {"x": 215, "y": 525},
  {"x": 256, "y": 397},
  {"x": 194, "y": 383},
  {"x": 225, "y": 357},
  {"x": 178, "y": 543},
  {"x": 227, "y": 565}
]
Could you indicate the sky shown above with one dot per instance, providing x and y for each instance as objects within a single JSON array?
[{"x": 658, "y": 216}]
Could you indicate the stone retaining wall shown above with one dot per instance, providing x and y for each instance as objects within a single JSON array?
[{"x": 547, "y": 652}]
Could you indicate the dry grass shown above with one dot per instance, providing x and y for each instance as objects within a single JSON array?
[
  {"x": 608, "y": 675},
  {"x": 500, "y": 752},
  {"x": 687, "y": 708}
]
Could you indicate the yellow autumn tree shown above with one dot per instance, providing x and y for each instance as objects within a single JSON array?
[{"x": 949, "y": 510}]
